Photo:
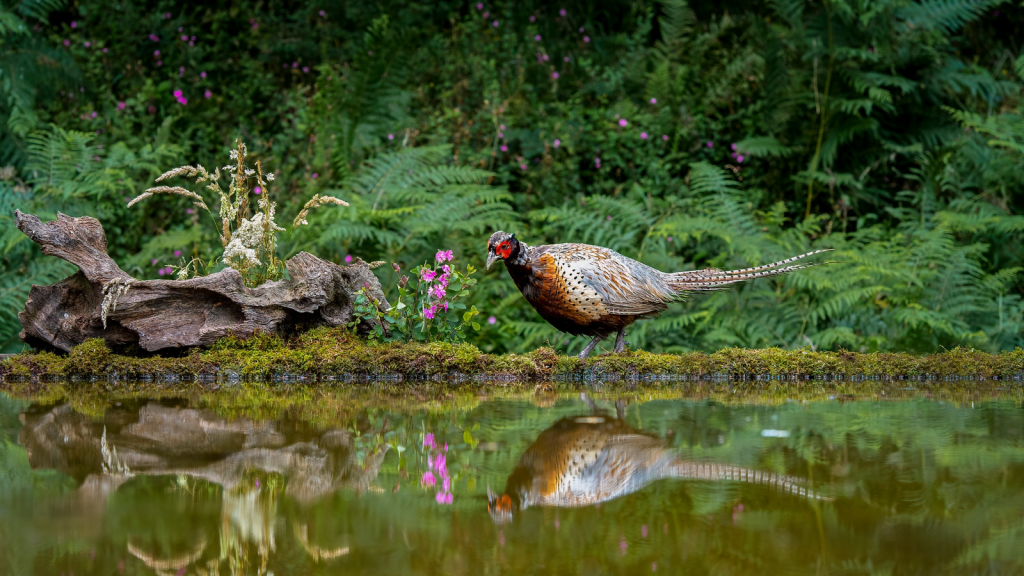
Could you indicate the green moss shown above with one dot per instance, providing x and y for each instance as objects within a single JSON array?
[{"x": 336, "y": 352}]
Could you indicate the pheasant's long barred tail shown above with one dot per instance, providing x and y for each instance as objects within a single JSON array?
[
  {"x": 713, "y": 279},
  {"x": 711, "y": 471}
]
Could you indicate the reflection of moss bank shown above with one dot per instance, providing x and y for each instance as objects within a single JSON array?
[{"x": 335, "y": 352}]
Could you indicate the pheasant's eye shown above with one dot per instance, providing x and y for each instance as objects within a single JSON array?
[{"x": 504, "y": 249}]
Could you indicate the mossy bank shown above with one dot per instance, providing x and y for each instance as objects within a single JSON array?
[
  {"x": 334, "y": 354},
  {"x": 337, "y": 355}
]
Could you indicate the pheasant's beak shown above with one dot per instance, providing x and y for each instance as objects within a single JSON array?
[{"x": 491, "y": 257}]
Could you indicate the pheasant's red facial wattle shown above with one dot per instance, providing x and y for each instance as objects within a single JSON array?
[{"x": 504, "y": 250}]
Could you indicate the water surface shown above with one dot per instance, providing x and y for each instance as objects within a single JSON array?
[{"x": 534, "y": 483}]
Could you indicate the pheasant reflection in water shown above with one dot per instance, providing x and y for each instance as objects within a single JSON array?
[{"x": 590, "y": 459}]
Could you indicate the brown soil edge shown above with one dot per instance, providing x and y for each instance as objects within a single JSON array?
[{"x": 337, "y": 355}]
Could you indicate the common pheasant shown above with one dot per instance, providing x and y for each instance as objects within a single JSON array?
[
  {"x": 593, "y": 458},
  {"x": 589, "y": 290}
]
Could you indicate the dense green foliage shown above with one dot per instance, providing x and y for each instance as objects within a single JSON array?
[{"x": 719, "y": 135}]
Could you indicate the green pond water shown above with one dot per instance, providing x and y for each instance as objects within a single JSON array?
[{"x": 332, "y": 483}]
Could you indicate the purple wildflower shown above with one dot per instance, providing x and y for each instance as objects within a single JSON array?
[
  {"x": 74, "y": 24},
  {"x": 492, "y": 320},
  {"x": 323, "y": 14},
  {"x": 561, "y": 12},
  {"x": 428, "y": 440},
  {"x": 257, "y": 190},
  {"x": 156, "y": 52},
  {"x": 207, "y": 94},
  {"x": 428, "y": 275},
  {"x": 495, "y": 23},
  {"x": 643, "y": 135},
  {"x": 437, "y": 291},
  {"x": 504, "y": 148},
  {"x": 348, "y": 259},
  {"x": 177, "y": 253},
  {"x": 160, "y": 272},
  {"x": 739, "y": 158},
  {"x": 67, "y": 42},
  {"x": 536, "y": 38},
  {"x": 664, "y": 137},
  {"x": 654, "y": 100},
  {"x": 586, "y": 39},
  {"x": 443, "y": 256},
  {"x": 479, "y": 6},
  {"x": 554, "y": 75},
  {"x": 391, "y": 136},
  {"x": 154, "y": 37},
  {"x": 710, "y": 144},
  {"x": 153, "y": 261},
  {"x": 314, "y": 176},
  {"x": 623, "y": 122},
  {"x": 428, "y": 313},
  {"x": 557, "y": 143},
  {"x": 88, "y": 44},
  {"x": 428, "y": 479}
]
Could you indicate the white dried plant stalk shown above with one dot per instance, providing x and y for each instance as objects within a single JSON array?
[
  {"x": 112, "y": 291},
  {"x": 178, "y": 190},
  {"x": 315, "y": 202}
]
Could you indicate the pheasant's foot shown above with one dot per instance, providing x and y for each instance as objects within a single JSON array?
[
  {"x": 620, "y": 341},
  {"x": 590, "y": 347}
]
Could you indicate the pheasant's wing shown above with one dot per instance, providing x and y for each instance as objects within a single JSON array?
[{"x": 623, "y": 286}]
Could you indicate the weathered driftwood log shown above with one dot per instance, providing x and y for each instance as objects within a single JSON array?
[{"x": 103, "y": 301}]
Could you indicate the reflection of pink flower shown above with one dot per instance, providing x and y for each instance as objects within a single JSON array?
[
  {"x": 439, "y": 464},
  {"x": 428, "y": 479},
  {"x": 428, "y": 440},
  {"x": 443, "y": 498}
]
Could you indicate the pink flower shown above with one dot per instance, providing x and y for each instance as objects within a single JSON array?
[
  {"x": 159, "y": 62},
  {"x": 446, "y": 269},
  {"x": 739, "y": 158},
  {"x": 428, "y": 440},
  {"x": 156, "y": 52},
  {"x": 446, "y": 484},
  {"x": 153, "y": 261},
  {"x": 444, "y": 304},
  {"x": 523, "y": 167},
  {"x": 120, "y": 105},
  {"x": 67, "y": 42},
  {"x": 710, "y": 144},
  {"x": 597, "y": 162},
  {"x": 93, "y": 114},
  {"x": 183, "y": 101},
  {"x": 305, "y": 69},
  {"x": 160, "y": 272},
  {"x": 177, "y": 253},
  {"x": 437, "y": 291},
  {"x": 492, "y": 320},
  {"x": 536, "y": 38},
  {"x": 486, "y": 15},
  {"x": 664, "y": 137},
  {"x": 533, "y": 18},
  {"x": 733, "y": 146},
  {"x": 348, "y": 259},
  {"x": 88, "y": 44},
  {"x": 74, "y": 24},
  {"x": 443, "y": 255},
  {"x": 257, "y": 190},
  {"x": 188, "y": 210},
  {"x": 104, "y": 50},
  {"x": 391, "y": 136},
  {"x": 623, "y": 122},
  {"x": 586, "y": 39},
  {"x": 443, "y": 498},
  {"x": 207, "y": 94},
  {"x": 428, "y": 313},
  {"x": 554, "y": 75},
  {"x": 479, "y": 6},
  {"x": 565, "y": 58},
  {"x": 581, "y": 29},
  {"x": 504, "y": 148},
  {"x": 314, "y": 176},
  {"x": 323, "y": 14},
  {"x": 154, "y": 37},
  {"x": 495, "y": 23},
  {"x": 561, "y": 12},
  {"x": 167, "y": 16},
  {"x": 428, "y": 275},
  {"x": 428, "y": 479},
  {"x": 502, "y": 127},
  {"x": 177, "y": 93},
  {"x": 654, "y": 100},
  {"x": 184, "y": 38},
  {"x": 643, "y": 135},
  {"x": 202, "y": 74},
  {"x": 439, "y": 464},
  {"x": 557, "y": 143}
]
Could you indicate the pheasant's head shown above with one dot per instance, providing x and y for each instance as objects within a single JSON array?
[
  {"x": 500, "y": 507},
  {"x": 501, "y": 246}
]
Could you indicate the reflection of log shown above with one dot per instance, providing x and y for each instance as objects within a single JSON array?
[
  {"x": 168, "y": 314},
  {"x": 161, "y": 440}
]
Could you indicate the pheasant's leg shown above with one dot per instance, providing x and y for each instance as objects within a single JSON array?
[
  {"x": 586, "y": 351},
  {"x": 620, "y": 341}
]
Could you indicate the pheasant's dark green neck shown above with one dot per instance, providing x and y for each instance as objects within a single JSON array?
[{"x": 520, "y": 254}]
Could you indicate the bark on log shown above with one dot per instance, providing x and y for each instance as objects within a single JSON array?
[{"x": 174, "y": 314}]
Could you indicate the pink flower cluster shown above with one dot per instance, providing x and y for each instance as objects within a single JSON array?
[
  {"x": 181, "y": 99},
  {"x": 438, "y": 469},
  {"x": 437, "y": 291},
  {"x": 736, "y": 155}
]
